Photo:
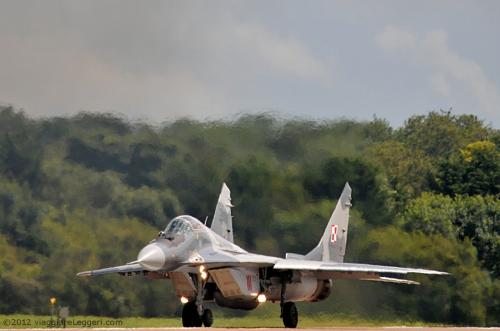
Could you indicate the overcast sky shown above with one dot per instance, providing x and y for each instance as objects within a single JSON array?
[{"x": 160, "y": 60}]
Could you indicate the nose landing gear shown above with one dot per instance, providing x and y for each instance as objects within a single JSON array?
[
  {"x": 207, "y": 318},
  {"x": 193, "y": 314},
  {"x": 191, "y": 318}
]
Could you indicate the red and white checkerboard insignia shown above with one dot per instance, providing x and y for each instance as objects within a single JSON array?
[{"x": 335, "y": 229}]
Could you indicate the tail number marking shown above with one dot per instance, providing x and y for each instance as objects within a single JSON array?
[{"x": 335, "y": 229}]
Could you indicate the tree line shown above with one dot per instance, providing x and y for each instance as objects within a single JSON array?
[{"x": 90, "y": 190}]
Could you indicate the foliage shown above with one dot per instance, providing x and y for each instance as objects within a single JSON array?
[
  {"x": 438, "y": 134},
  {"x": 460, "y": 298},
  {"x": 476, "y": 218},
  {"x": 90, "y": 190},
  {"x": 474, "y": 170}
]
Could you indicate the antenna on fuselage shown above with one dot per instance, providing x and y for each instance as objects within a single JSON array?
[{"x": 206, "y": 219}]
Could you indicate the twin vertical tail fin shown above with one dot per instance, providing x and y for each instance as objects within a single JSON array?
[
  {"x": 332, "y": 245},
  {"x": 222, "y": 223}
]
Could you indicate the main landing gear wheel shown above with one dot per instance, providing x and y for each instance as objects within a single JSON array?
[
  {"x": 207, "y": 318},
  {"x": 290, "y": 315},
  {"x": 190, "y": 317}
]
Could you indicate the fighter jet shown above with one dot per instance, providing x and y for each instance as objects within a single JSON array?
[{"x": 205, "y": 265}]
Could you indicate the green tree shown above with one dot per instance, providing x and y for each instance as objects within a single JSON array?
[
  {"x": 438, "y": 134},
  {"x": 474, "y": 170},
  {"x": 71, "y": 185},
  {"x": 474, "y": 218},
  {"x": 407, "y": 172},
  {"x": 369, "y": 195},
  {"x": 460, "y": 298}
]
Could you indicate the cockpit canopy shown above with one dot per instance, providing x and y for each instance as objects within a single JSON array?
[{"x": 180, "y": 225}]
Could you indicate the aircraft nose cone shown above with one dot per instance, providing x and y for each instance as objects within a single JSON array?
[{"x": 151, "y": 257}]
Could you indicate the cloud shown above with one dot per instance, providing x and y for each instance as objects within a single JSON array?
[
  {"x": 166, "y": 59},
  {"x": 445, "y": 63},
  {"x": 395, "y": 39},
  {"x": 50, "y": 80},
  {"x": 440, "y": 84},
  {"x": 283, "y": 54}
]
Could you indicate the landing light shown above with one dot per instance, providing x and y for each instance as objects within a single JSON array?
[
  {"x": 203, "y": 273},
  {"x": 184, "y": 300},
  {"x": 261, "y": 298}
]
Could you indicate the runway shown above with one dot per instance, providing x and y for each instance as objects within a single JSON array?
[{"x": 383, "y": 328}]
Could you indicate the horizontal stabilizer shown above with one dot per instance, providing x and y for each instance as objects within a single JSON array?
[{"x": 395, "y": 280}]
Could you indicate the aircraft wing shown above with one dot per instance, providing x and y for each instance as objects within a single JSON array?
[
  {"x": 336, "y": 270},
  {"x": 350, "y": 267},
  {"x": 122, "y": 269}
]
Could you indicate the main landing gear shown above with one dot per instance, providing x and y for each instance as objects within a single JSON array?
[
  {"x": 191, "y": 318},
  {"x": 289, "y": 312},
  {"x": 290, "y": 315}
]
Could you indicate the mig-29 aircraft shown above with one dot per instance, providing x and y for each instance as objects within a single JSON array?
[{"x": 205, "y": 265}]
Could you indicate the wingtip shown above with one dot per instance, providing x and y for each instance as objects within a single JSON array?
[
  {"x": 84, "y": 274},
  {"x": 437, "y": 272}
]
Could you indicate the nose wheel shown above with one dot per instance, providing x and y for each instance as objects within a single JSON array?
[
  {"x": 191, "y": 318},
  {"x": 207, "y": 318},
  {"x": 193, "y": 314}
]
